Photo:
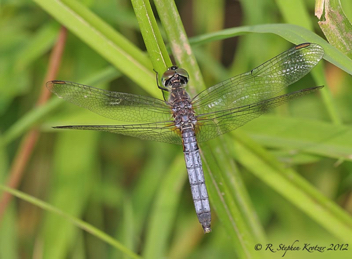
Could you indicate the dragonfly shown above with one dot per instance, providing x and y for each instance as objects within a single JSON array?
[{"x": 180, "y": 119}]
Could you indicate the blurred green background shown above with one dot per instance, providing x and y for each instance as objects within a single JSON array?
[{"x": 137, "y": 191}]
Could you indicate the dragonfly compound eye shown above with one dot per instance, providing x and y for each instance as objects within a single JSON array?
[
  {"x": 165, "y": 79},
  {"x": 183, "y": 74}
]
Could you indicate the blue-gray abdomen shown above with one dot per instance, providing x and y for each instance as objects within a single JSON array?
[{"x": 196, "y": 178}]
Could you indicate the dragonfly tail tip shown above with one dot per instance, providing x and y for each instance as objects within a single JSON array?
[{"x": 206, "y": 229}]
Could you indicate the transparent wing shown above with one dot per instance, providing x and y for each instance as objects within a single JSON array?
[
  {"x": 160, "y": 131},
  {"x": 262, "y": 82},
  {"x": 113, "y": 105},
  {"x": 214, "y": 124}
]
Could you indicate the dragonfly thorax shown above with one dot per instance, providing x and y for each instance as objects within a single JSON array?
[{"x": 183, "y": 113}]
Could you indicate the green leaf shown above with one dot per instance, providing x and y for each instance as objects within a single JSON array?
[
  {"x": 74, "y": 166},
  {"x": 38, "y": 113},
  {"x": 231, "y": 202},
  {"x": 293, "y": 187},
  {"x": 104, "y": 40},
  {"x": 295, "y": 12},
  {"x": 335, "y": 25},
  {"x": 148, "y": 184},
  {"x": 178, "y": 41},
  {"x": 242, "y": 236},
  {"x": 302, "y": 135},
  {"x": 292, "y": 33},
  {"x": 37, "y": 45},
  {"x": 79, "y": 223},
  {"x": 295, "y": 34},
  {"x": 9, "y": 241},
  {"x": 151, "y": 35},
  {"x": 164, "y": 210}
]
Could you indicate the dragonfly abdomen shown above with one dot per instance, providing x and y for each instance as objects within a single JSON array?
[{"x": 196, "y": 178}]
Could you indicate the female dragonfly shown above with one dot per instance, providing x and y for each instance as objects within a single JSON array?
[{"x": 185, "y": 121}]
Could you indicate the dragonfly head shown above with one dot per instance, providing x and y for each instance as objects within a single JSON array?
[{"x": 175, "y": 76}]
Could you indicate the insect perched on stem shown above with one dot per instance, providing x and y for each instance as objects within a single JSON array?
[{"x": 186, "y": 121}]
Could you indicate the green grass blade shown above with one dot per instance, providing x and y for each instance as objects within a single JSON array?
[
  {"x": 38, "y": 113},
  {"x": 330, "y": 106},
  {"x": 302, "y": 135},
  {"x": 296, "y": 35},
  {"x": 77, "y": 222},
  {"x": 38, "y": 45},
  {"x": 123, "y": 200},
  {"x": 9, "y": 245},
  {"x": 73, "y": 170},
  {"x": 8, "y": 226},
  {"x": 227, "y": 207},
  {"x": 209, "y": 16},
  {"x": 148, "y": 184},
  {"x": 104, "y": 40},
  {"x": 178, "y": 41},
  {"x": 128, "y": 225},
  {"x": 293, "y": 187},
  {"x": 242, "y": 235},
  {"x": 295, "y": 12},
  {"x": 236, "y": 187},
  {"x": 292, "y": 33},
  {"x": 151, "y": 35},
  {"x": 164, "y": 210},
  {"x": 335, "y": 25}
]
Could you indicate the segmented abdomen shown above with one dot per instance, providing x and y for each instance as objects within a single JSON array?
[{"x": 196, "y": 178}]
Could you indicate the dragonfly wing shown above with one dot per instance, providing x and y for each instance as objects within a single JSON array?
[
  {"x": 113, "y": 105},
  {"x": 161, "y": 131},
  {"x": 262, "y": 82},
  {"x": 214, "y": 124}
]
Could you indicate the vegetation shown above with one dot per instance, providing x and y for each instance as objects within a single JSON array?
[{"x": 283, "y": 177}]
